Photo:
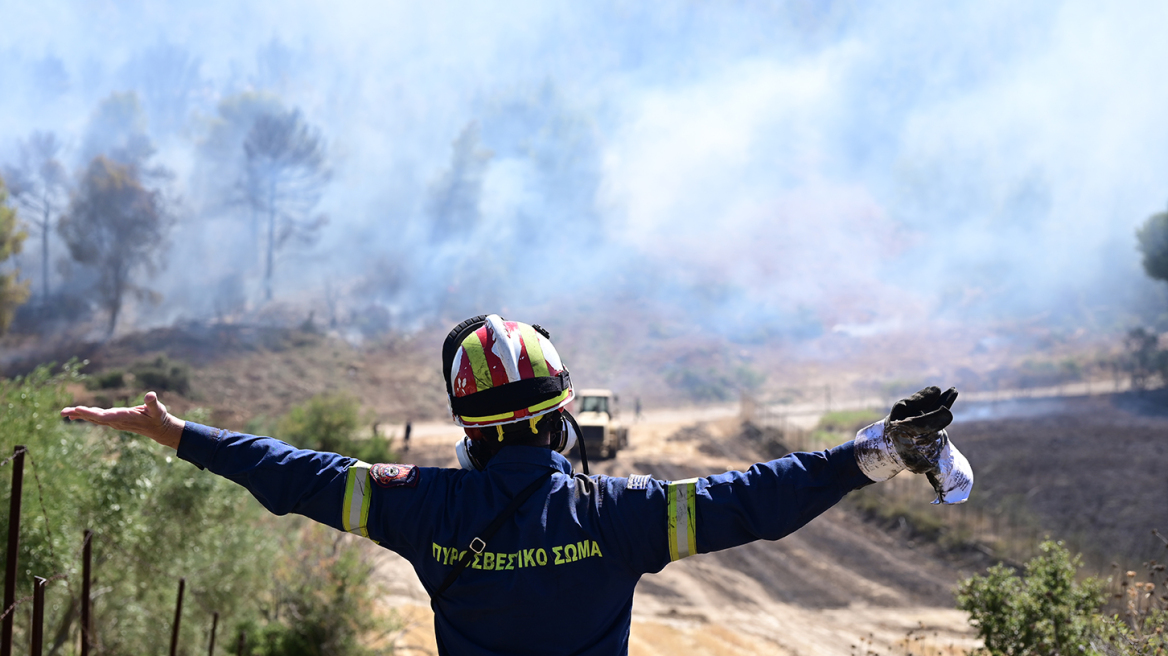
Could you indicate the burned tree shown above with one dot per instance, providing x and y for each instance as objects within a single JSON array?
[
  {"x": 168, "y": 77},
  {"x": 453, "y": 205},
  {"x": 284, "y": 179},
  {"x": 12, "y": 292},
  {"x": 116, "y": 226},
  {"x": 40, "y": 188},
  {"x": 454, "y": 213},
  {"x": 117, "y": 131}
]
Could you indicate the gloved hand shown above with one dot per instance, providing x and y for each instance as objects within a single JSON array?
[{"x": 913, "y": 437}]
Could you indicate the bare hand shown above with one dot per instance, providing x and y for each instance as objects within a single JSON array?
[{"x": 150, "y": 420}]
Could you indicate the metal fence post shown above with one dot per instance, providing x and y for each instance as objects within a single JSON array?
[
  {"x": 214, "y": 625},
  {"x": 38, "y": 616},
  {"x": 86, "y": 572},
  {"x": 182, "y": 584},
  {"x": 13, "y": 548},
  {"x": 242, "y": 644}
]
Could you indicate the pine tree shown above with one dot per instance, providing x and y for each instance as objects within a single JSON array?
[{"x": 117, "y": 226}]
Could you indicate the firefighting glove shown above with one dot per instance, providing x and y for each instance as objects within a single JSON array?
[{"x": 913, "y": 437}]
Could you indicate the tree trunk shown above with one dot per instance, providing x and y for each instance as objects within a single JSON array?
[
  {"x": 115, "y": 299},
  {"x": 115, "y": 308},
  {"x": 45, "y": 253},
  {"x": 271, "y": 241}
]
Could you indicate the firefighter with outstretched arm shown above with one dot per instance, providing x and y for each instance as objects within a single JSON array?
[{"x": 519, "y": 554}]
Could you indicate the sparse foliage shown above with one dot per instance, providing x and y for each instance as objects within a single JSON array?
[
  {"x": 117, "y": 226},
  {"x": 12, "y": 291},
  {"x": 1144, "y": 358},
  {"x": 285, "y": 177},
  {"x": 222, "y": 168},
  {"x": 40, "y": 187}
]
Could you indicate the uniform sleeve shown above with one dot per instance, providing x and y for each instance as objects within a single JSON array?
[
  {"x": 663, "y": 521},
  {"x": 768, "y": 501},
  {"x": 284, "y": 479}
]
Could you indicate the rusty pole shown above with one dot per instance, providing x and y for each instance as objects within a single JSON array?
[
  {"x": 182, "y": 584},
  {"x": 242, "y": 643},
  {"x": 214, "y": 625},
  {"x": 13, "y": 548},
  {"x": 38, "y": 616},
  {"x": 86, "y": 572}
]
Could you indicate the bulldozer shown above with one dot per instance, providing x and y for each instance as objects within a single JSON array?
[{"x": 599, "y": 417}]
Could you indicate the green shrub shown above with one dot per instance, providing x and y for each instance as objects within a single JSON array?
[
  {"x": 155, "y": 519},
  {"x": 1149, "y": 637},
  {"x": 324, "y": 604},
  {"x": 325, "y": 422},
  {"x": 848, "y": 421},
  {"x": 163, "y": 375},
  {"x": 329, "y": 422},
  {"x": 112, "y": 379},
  {"x": 1043, "y": 612}
]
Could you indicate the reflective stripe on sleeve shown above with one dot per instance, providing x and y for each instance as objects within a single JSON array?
[
  {"x": 355, "y": 512},
  {"x": 682, "y": 520}
]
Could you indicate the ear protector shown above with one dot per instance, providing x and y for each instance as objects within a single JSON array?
[{"x": 474, "y": 454}]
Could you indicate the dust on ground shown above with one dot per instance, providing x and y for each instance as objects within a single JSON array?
[{"x": 831, "y": 587}]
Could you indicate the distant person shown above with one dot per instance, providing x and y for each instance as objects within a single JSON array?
[
  {"x": 406, "y": 437},
  {"x": 637, "y": 409},
  {"x": 519, "y": 554}
]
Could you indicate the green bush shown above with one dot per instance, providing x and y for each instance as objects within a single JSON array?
[
  {"x": 848, "y": 421},
  {"x": 162, "y": 375},
  {"x": 325, "y": 422},
  {"x": 1043, "y": 612},
  {"x": 326, "y": 606},
  {"x": 1149, "y": 637},
  {"x": 106, "y": 380},
  {"x": 155, "y": 519},
  {"x": 329, "y": 422}
]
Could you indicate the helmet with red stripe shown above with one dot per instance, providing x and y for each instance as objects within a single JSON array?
[{"x": 500, "y": 372}]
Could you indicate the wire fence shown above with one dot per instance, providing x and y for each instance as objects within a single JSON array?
[{"x": 86, "y": 634}]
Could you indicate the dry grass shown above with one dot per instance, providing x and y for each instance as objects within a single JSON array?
[{"x": 242, "y": 373}]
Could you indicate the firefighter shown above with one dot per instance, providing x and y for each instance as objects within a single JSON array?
[{"x": 519, "y": 554}]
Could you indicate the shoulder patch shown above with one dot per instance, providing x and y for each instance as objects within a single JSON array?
[
  {"x": 394, "y": 475},
  {"x": 639, "y": 482}
]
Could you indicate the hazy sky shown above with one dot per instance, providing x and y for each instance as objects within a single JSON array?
[{"x": 847, "y": 163}]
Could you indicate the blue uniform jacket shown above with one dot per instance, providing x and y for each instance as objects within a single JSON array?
[{"x": 559, "y": 577}]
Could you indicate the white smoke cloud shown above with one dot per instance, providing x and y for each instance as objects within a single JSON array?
[{"x": 835, "y": 162}]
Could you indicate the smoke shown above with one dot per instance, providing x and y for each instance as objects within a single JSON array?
[{"x": 762, "y": 172}]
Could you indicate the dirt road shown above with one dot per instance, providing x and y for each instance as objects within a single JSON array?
[{"x": 838, "y": 586}]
